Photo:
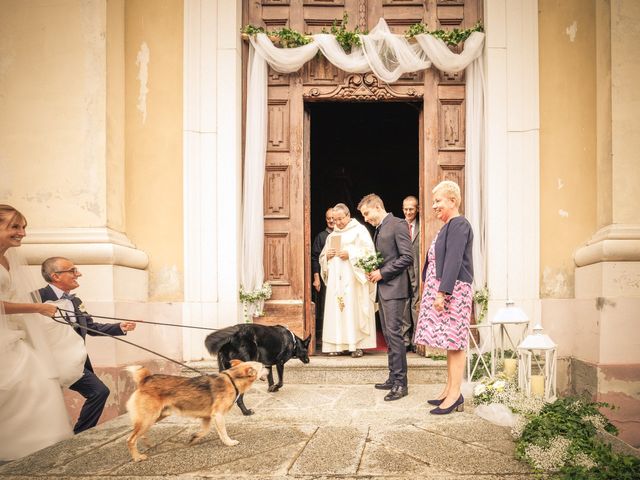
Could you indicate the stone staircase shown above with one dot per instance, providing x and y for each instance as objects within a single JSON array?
[{"x": 345, "y": 370}]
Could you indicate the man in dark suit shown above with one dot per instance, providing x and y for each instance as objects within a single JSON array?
[
  {"x": 62, "y": 276},
  {"x": 318, "y": 284},
  {"x": 410, "y": 209},
  {"x": 392, "y": 240}
]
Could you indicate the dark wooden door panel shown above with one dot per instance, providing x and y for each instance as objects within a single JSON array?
[{"x": 287, "y": 182}]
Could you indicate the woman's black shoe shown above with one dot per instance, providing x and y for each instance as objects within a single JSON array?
[
  {"x": 435, "y": 402},
  {"x": 458, "y": 406}
]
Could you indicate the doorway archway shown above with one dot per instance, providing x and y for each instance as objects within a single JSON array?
[{"x": 356, "y": 149}]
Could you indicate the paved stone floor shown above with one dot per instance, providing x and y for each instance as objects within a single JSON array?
[{"x": 301, "y": 432}]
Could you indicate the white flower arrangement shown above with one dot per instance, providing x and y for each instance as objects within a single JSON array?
[
  {"x": 255, "y": 299},
  {"x": 503, "y": 391}
]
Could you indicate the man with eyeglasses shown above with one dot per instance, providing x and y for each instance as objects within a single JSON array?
[{"x": 62, "y": 276}]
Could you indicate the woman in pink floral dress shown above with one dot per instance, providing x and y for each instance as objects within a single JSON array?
[{"x": 445, "y": 309}]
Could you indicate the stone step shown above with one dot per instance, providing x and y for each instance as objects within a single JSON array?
[{"x": 345, "y": 370}]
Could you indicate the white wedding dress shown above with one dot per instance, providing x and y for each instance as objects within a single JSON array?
[{"x": 37, "y": 357}]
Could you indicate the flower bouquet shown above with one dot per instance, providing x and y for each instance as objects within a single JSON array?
[{"x": 370, "y": 262}]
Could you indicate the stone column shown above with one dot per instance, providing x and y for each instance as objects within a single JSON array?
[
  {"x": 608, "y": 265},
  {"x": 61, "y": 131}
]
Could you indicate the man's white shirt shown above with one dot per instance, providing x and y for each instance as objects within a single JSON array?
[{"x": 65, "y": 304}]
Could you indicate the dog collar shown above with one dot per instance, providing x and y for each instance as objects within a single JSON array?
[
  {"x": 234, "y": 386},
  {"x": 293, "y": 337}
]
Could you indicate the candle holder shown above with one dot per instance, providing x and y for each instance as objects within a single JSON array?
[
  {"x": 486, "y": 344},
  {"x": 509, "y": 315},
  {"x": 537, "y": 365}
]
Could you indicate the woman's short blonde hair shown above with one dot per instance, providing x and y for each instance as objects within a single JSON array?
[{"x": 449, "y": 189}]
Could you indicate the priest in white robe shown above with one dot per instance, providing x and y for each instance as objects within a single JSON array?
[{"x": 349, "y": 315}]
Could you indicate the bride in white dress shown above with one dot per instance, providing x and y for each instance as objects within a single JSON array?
[{"x": 37, "y": 355}]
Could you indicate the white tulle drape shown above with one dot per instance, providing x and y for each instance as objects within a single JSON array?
[{"x": 388, "y": 56}]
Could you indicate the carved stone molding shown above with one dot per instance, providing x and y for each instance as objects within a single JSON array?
[
  {"x": 363, "y": 88},
  {"x": 362, "y": 15}
]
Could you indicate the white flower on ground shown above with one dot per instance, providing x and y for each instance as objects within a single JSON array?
[
  {"x": 596, "y": 420},
  {"x": 499, "y": 385},
  {"x": 479, "y": 389},
  {"x": 585, "y": 461},
  {"x": 551, "y": 458}
]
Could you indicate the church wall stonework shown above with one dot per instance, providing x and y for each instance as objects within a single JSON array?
[{"x": 590, "y": 233}]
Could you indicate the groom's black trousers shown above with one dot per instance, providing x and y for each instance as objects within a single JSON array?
[{"x": 96, "y": 393}]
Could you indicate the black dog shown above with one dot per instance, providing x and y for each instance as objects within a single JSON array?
[{"x": 269, "y": 345}]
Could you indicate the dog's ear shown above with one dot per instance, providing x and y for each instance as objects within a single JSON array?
[
  {"x": 248, "y": 372},
  {"x": 306, "y": 341},
  {"x": 235, "y": 362}
]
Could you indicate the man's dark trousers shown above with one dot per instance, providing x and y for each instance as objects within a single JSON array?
[
  {"x": 391, "y": 314},
  {"x": 96, "y": 393},
  {"x": 394, "y": 244}
]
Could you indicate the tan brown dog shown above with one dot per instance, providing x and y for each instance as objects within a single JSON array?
[{"x": 204, "y": 397}]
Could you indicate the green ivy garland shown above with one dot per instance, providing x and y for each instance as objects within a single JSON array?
[
  {"x": 450, "y": 37},
  {"x": 348, "y": 39},
  {"x": 481, "y": 298}
]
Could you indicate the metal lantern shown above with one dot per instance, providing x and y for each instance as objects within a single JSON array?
[
  {"x": 537, "y": 365},
  {"x": 508, "y": 315}
]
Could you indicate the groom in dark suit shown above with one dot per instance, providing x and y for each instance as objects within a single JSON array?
[
  {"x": 62, "y": 276},
  {"x": 392, "y": 240}
]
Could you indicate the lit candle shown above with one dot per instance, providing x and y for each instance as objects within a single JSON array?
[
  {"x": 510, "y": 365},
  {"x": 537, "y": 385}
]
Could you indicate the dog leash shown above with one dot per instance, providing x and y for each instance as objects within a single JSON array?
[
  {"x": 73, "y": 325},
  {"x": 234, "y": 386},
  {"x": 140, "y": 321}
]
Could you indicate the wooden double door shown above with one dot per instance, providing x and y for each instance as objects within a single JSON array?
[{"x": 438, "y": 96}]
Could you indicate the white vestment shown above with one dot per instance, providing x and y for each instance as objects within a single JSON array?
[{"x": 349, "y": 315}]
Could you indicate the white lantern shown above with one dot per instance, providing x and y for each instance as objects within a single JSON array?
[
  {"x": 509, "y": 315},
  {"x": 537, "y": 365}
]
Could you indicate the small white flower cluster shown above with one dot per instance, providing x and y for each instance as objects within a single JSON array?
[
  {"x": 551, "y": 458},
  {"x": 262, "y": 293},
  {"x": 585, "y": 461},
  {"x": 254, "y": 297},
  {"x": 518, "y": 427},
  {"x": 597, "y": 421}
]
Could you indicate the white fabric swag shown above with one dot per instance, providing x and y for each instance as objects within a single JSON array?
[{"x": 388, "y": 56}]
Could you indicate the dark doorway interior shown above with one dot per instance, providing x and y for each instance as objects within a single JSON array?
[{"x": 361, "y": 148}]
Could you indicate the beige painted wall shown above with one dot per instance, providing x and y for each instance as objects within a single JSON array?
[
  {"x": 153, "y": 139},
  {"x": 567, "y": 139},
  {"x": 115, "y": 115},
  {"x": 52, "y": 111},
  {"x": 625, "y": 99}
]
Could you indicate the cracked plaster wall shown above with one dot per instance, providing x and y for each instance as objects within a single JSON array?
[
  {"x": 153, "y": 140},
  {"x": 567, "y": 139}
]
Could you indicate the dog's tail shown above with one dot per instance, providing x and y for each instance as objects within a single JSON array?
[
  {"x": 138, "y": 373},
  {"x": 216, "y": 340}
]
